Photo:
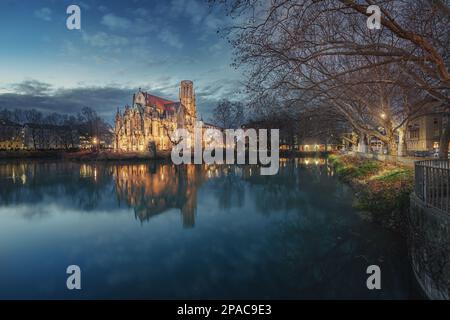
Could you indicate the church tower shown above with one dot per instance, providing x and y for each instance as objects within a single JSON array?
[{"x": 187, "y": 97}]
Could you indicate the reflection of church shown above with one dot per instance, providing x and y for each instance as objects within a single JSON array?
[{"x": 152, "y": 189}]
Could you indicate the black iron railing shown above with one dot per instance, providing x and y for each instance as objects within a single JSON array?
[{"x": 432, "y": 183}]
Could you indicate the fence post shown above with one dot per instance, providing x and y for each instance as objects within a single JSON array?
[{"x": 432, "y": 183}]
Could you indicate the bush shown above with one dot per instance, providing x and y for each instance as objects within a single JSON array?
[
  {"x": 383, "y": 190},
  {"x": 353, "y": 168},
  {"x": 388, "y": 201}
]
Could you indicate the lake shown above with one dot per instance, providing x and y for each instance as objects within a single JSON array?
[{"x": 152, "y": 230}]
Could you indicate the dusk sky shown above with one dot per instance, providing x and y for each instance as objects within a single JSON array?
[{"x": 122, "y": 45}]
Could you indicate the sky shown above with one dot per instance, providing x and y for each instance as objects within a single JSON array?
[{"x": 122, "y": 45}]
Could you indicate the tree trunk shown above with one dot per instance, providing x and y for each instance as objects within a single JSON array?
[
  {"x": 362, "y": 147},
  {"x": 391, "y": 145},
  {"x": 445, "y": 136},
  {"x": 402, "y": 148}
]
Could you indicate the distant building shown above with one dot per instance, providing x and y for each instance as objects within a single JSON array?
[
  {"x": 11, "y": 135},
  {"x": 423, "y": 133},
  {"x": 104, "y": 140},
  {"x": 310, "y": 144},
  {"x": 289, "y": 143},
  {"x": 86, "y": 142},
  {"x": 376, "y": 145}
]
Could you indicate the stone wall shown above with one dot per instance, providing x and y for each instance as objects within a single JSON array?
[{"x": 429, "y": 244}]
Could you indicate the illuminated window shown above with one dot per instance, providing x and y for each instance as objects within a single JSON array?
[{"x": 414, "y": 132}]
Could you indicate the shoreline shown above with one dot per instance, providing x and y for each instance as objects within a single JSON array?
[
  {"x": 382, "y": 192},
  {"x": 107, "y": 155},
  {"x": 381, "y": 189},
  {"x": 87, "y": 155}
]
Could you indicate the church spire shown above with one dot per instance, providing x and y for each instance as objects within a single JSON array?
[
  {"x": 187, "y": 96},
  {"x": 118, "y": 114}
]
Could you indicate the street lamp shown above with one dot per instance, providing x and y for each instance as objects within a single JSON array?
[
  {"x": 383, "y": 115},
  {"x": 94, "y": 142}
]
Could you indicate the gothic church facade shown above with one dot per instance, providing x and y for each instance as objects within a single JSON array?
[{"x": 151, "y": 120}]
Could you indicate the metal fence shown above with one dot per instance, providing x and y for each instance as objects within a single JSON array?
[{"x": 432, "y": 183}]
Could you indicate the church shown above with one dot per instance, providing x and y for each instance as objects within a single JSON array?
[{"x": 149, "y": 122}]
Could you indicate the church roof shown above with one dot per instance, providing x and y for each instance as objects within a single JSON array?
[
  {"x": 173, "y": 107},
  {"x": 160, "y": 103}
]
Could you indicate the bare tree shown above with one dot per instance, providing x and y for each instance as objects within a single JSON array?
[
  {"x": 93, "y": 125},
  {"x": 34, "y": 119},
  {"x": 228, "y": 114},
  {"x": 322, "y": 53}
]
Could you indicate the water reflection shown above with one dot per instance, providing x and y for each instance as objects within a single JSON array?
[
  {"x": 153, "y": 188},
  {"x": 215, "y": 231}
]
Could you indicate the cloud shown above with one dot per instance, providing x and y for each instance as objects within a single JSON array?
[
  {"x": 217, "y": 48},
  {"x": 210, "y": 94},
  {"x": 218, "y": 89},
  {"x": 105, "y": 99},
  {"x": 142, "y": 26},
  {"x": 43, "y": 14},
  {"x": 103, "y": 40},
  {"x": 198, "y": 14},
  {"x": 103, "y": 8},
  {"x": 69, "y": 49},
  {"x": 213, "y": 23},
  {"x": 195, "y": 11},
  {"x": 84, "y": 5},
  {"x": 43, "y": 97},
  {"x": 139, "y": 25},
  {"x": 189, "y": 8},
  {"x": 32, "y": 87},
  {"x": 142, "y": 12},
  {"x": 170, "y": 38},
  {"x": 115, "y": 22}
]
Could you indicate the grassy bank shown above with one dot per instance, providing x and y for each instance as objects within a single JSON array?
[{"x": 382, "y": 189}]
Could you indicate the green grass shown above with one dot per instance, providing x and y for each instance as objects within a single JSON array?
[
  {"x": 347, "y": 170},
  {"x": 383, "y": 190},
  {"x": 368, "y": 167},
  {"x": 394, "y": 175}
]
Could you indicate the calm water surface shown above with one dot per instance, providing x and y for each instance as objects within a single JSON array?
[{"x": 153, "y": 230}]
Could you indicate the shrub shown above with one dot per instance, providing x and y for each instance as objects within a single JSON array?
[
  {"x": 383, "y": 190},
  {"x": 349, "y": 168}
]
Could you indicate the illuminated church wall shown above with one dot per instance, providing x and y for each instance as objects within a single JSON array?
[{"x": 151, "y": 120}]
